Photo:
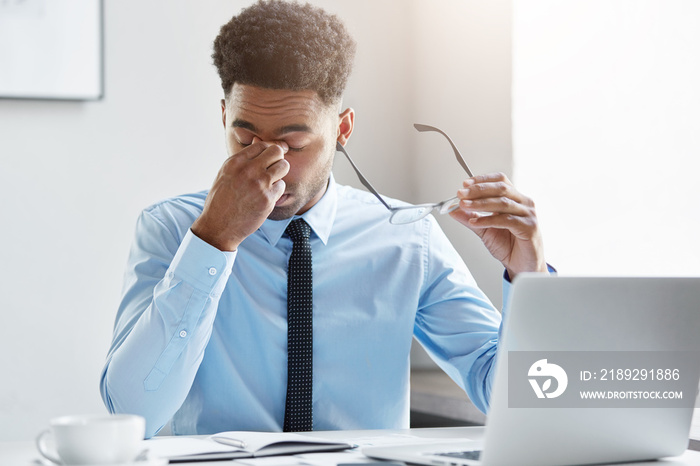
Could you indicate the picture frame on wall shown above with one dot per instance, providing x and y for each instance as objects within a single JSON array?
[{"x": 51, "y": 49}]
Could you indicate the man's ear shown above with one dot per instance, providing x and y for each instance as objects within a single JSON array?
[
  {"x": 223, "y": 112},
  {"x": 346, "y": 124}
]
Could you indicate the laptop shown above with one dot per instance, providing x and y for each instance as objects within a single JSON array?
[{"x": 589, "y": 370}]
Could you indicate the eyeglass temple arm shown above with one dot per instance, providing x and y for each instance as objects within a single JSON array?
[
  {"x": 460, "y": 159},
  {"x": 363, "y": 180}
]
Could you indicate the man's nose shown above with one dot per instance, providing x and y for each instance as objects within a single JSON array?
[{"x": 282, "y": 144}]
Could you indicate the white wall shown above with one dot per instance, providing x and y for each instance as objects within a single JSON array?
[
  {"x": 607, "y": 131},
  {"x": 74, "y": 175},
  {"x": 463, "y": 86}
]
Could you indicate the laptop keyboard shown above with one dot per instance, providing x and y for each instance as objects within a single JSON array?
[{"x": 465, "y": 455}]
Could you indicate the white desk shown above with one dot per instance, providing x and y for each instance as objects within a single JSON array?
[{"x": 24, "y": 453}]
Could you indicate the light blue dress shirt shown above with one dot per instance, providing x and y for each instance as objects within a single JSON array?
[{"x": 201, "y": 335}]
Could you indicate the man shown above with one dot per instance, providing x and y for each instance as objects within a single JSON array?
[{"x": 202, "y": 334}]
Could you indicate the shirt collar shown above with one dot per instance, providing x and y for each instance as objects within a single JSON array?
[{"x": 320, "y": 217}]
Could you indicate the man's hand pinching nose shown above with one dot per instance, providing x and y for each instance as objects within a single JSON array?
[
  {"x": 244, "y": 193},
  {"x": 282, "y": 144}
]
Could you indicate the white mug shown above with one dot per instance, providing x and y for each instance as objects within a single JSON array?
[{"x": 93, "y": 439}]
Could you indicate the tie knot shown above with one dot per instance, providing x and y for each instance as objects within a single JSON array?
[{"x": 299, "y": 230}]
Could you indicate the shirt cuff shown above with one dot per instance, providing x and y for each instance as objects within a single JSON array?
[{"x": 201, "y": 264}]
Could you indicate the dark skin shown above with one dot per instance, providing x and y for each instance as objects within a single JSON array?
[
  {"x": 281, "y": 145},
  {"x": 511, "y": 233}
]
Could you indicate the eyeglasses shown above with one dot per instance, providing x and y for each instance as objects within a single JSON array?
[{"x": 407, "y": 214}]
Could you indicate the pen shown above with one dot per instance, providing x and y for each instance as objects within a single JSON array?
[{"x": 230, "y": 441}]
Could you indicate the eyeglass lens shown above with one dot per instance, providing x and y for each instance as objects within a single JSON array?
[{"x": 410, "y": 215}]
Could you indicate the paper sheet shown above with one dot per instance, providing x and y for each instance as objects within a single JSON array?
[{"x": 168, "y": 447}]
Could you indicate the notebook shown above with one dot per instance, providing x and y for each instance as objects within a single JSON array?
[
  {"x": 589, "y": 370},
  {"x": 237, "y": 445}
]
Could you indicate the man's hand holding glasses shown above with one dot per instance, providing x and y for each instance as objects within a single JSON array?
[
  {"x": 490, "y": 206},
  {"x": 511, "y": 232}
]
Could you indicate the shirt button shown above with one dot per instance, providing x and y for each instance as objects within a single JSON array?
[
  {"x": 183, "y": 333},
  {"x": 212, "y": 271}
]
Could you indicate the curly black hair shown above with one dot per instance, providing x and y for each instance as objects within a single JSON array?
[{"x": 281, "y": 45}]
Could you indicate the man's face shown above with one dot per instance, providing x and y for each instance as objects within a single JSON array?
[{"x": 298, "y": 119}]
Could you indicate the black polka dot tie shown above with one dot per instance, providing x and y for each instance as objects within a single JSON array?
[{"x": 298, "y": 414}]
